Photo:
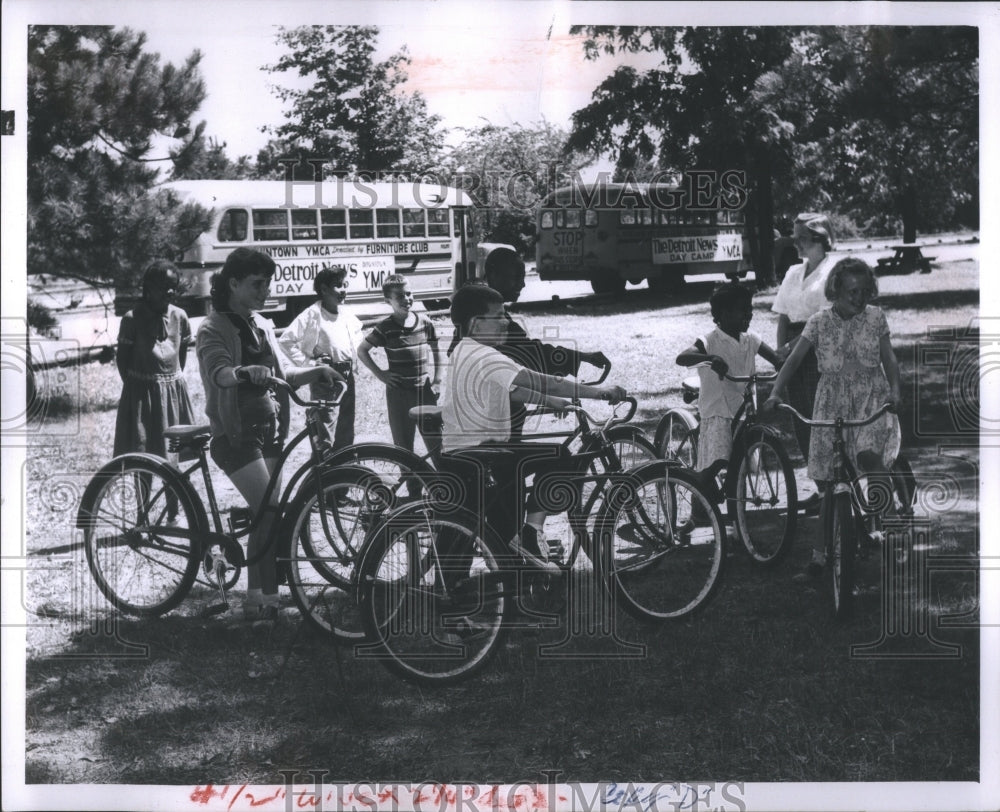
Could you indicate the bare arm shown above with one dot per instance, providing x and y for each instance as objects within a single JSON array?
[
  {"x": 365, "y": 357},
  {"x": 891, "y": 366},
  {"x": 769, "y": 355},
  {"x": 802, "y": 347},
  {"x": 548, "y": 385}
]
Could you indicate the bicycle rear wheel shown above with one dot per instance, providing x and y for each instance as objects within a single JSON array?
[
  {"x": 324, "y": 532},
  {"x": 676, "y": 437},
  {"x": 842, "y": 544},
  {"x": 141, "y": 530},
  {"x": 765, "y": 501},
  {"x": 433, "y": 595},
  {"x": 660, "y": 539}
]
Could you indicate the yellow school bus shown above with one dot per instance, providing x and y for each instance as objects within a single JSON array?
[
  {"x": 373, "y": 230},
  {"x": 611, "y": 233}
]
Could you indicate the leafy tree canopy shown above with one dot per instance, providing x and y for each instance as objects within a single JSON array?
[
  {"x": 508, "y": 171},
  {"x": 355, "y": 112},
  {"x": 96, "y": 102}
]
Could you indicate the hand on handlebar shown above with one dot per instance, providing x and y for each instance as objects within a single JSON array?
[
  {"x": 613, "y": 394},
  {"x": 328, "y": 375},
  {"x": 719, "y": 366},
  {"x": 255, "y": 374},
  {"x": 770, "y": 404},
  {"x": 597, "y": 359}
]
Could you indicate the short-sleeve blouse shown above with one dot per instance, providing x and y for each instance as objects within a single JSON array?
[
  {"x": 854, "y": 341},
  {"x": 800, "y": 298}
]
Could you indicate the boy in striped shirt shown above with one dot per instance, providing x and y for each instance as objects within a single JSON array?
[{"x": 413, "y": 376}]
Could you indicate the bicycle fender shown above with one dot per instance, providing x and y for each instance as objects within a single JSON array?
[
  {"x": 661, "y": 427},
  {"x": 167, "y": 469}
]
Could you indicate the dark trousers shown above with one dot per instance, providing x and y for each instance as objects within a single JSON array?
[
  {"x": 343, "y": 433},
  {"x": 403, "y": 427}
]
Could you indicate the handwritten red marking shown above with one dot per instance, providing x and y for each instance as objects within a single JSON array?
[
  {"x": 239, "y": 792},
  {"x": 204, "y": 795}
]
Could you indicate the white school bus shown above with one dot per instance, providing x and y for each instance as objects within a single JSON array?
[
  {"x": 373, "y": 230},
  {"x": 611, "y": 233}
]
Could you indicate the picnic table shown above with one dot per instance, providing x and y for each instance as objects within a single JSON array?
[{"x": 906, "y": 258}]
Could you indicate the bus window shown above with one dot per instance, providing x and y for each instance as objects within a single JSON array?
[
  {"x": 334, "y": 224},
  {"x": 627, "y": 217},
  {"x": 270, "y": 224},
  {"x": 304, "y": 224},
  {"x": 387, "y": 222},
  {"x": 361, "y": 221},
  {"x": 573, "y": 218},
  {"x": 233, "y": 226},
  {"x": 590, "y": 217},
  {"x": 437, "y": 222},
  {"x": 560, "y": 219},
  {"x": 546, "y": 219},
  {"x": 646, "y": 216},
  {"x": 413, "y": 223}
]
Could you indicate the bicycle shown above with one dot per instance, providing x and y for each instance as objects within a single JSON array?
[
  {"x": 848, "y": 515},
  {"x": 147, "y": 533},
  {"x": 758, "y": 486},
  {"x": 404, "y": 471},
  {"x": 436, "y": 582}
]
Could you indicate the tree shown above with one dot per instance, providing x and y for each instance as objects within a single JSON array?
[
  {"x": 886, "y": 122},
  {"x": 508, "y": 171},
  {"x": 96, "y": 101},
  {"x": 354, "y": 113},
  {"x": 695, "y": 110},
  {"x": 206, "y": 158}
]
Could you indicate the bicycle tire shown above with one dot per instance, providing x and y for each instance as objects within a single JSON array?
[
  {"x": 390, "y": 462},
  {"x": 632, "y": 449},
  {"x": 842, "y": 545},
  {"x": 765, "y": 501},
  {"x": 433, "y": 591},
  {"x": 676, "y": 437},
  {"x": 661, "y": 542},
  {"x": 904, "y": 482},
  {"x": 143, "y": 559},
  {"x": 322, "y": 536}
]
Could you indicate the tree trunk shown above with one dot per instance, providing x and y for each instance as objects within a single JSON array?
[
  {"x": 764, "y": 223},
  {"x": 908, "y": 210}
]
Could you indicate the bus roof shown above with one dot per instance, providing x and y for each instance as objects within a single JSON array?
[{"x": 273, "y": 194}]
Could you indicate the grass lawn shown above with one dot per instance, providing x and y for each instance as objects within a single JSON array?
[{"x": 761, "y": 686}]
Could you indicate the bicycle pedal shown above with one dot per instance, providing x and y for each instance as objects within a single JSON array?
[
  {"x": 545, "y": 566},
  {"x": 216, "y": 609}
]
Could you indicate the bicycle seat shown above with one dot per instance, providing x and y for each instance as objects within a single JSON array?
[
  {"x": 179, "y": 437},
  {"x": 690, "y": 387},
  {"x": 428, "y": 418}
]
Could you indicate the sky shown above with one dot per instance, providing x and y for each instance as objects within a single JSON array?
[{"x": 517, "y": 70}]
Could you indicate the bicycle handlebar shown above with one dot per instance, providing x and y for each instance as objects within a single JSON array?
[
  {"x": 577, "y": 409},
  {"x": 829, "y": 424},
  {"x": 757, "y": 376},
  {"x": 606, "y": 367},
  {"x": 280, "y": 383}
]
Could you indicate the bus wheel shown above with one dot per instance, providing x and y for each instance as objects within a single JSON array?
[
  {"x": 666, "y": 283},
  {"x": 608, "y": 284}
]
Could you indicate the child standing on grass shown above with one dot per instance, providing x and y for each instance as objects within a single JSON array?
[
  {"x": 413, "y": 377},
  {"x": 858, "y": 373},
  {"x": 153, "y": 341},
  {"x": 728, "y": 348},
  {"x": 326, "y": 334}
]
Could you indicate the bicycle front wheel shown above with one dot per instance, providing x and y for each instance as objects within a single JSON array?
[
  {"x": 432, "y": 594},
  {"x": 766, "y": 503},
  {"x": 325, "y": 530},
  {"x": 676, "y": 437},
  {"x": 842, "y": 541},
  {"x": 660, "y": 539},
  {"x": 141, "y": 529}
]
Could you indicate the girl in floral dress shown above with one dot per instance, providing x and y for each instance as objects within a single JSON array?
[{"x": 858, "y": 373}]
